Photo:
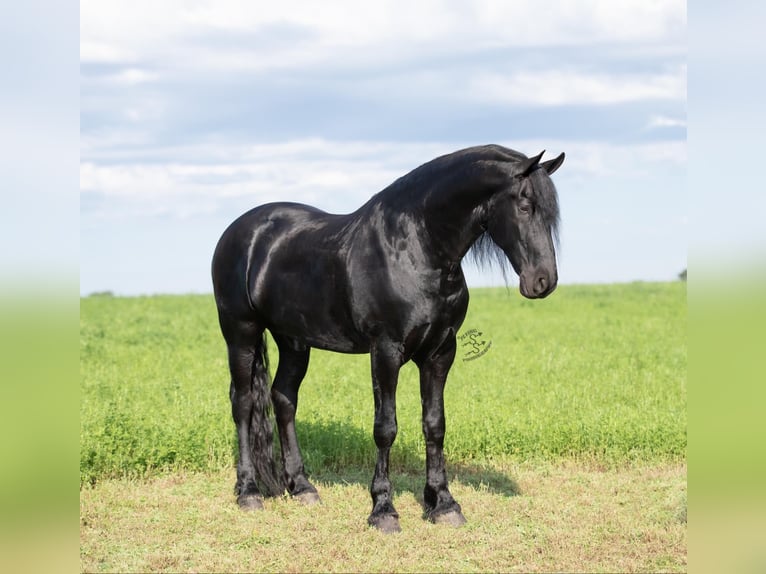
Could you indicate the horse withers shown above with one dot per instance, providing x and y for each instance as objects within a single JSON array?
[{"x": 384, "y": 280}]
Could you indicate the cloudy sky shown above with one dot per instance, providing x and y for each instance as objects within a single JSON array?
[{"x": 193, "y": 112}]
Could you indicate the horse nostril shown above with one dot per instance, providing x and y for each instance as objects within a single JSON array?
[{"x": 541, "y": 285}]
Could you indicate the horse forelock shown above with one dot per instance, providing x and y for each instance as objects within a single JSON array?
[
  {"x": 547, "y": 202},
  {"x": 546, "y": 197}
]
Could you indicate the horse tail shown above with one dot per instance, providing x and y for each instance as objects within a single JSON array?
[{"x": 267, "y": 473}]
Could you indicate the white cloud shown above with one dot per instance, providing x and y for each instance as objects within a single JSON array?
[
  {"x": 104, "y": 52},
  {"x": 604, "y": 160},
  {"x": 561, "y": 87},
  {"x": 335, "y": 176},
  {"x": 175, "y": 30},
  {"x": 665, "y": 122},
  {"x": 131, "y": 77}
]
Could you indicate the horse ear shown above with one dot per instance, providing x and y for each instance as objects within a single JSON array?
[
  {"x": 527, "y": 165},
  {"x": 553, "y": 164}
]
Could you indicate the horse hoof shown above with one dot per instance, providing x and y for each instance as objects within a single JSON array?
[
  {"x": 386, "y": 524},
  {"x": 454, "y": 518},
  {"x": 308, "y": 498},
  {"x": 250, "y": 501}
]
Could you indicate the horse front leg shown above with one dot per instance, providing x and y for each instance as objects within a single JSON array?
[
  {"x": 440, "y": 506},
  {"x": 385, "y": 363}
]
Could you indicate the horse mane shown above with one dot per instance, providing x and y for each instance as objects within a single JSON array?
[{"x": 484, "y": 252}]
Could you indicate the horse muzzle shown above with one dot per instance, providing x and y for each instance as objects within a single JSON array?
[{"x": 537, "y": 284}]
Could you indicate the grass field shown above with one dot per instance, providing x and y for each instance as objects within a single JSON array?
[
  {"x": 549, "y": 517},
  {"x": 568, "y": 434}
]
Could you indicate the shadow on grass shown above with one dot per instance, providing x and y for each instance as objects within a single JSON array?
[{"x": 338, "y": 453}]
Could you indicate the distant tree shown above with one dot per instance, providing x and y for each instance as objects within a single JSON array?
[
  {"x": 101, "y": 294},
  {"x": 682, "y": 275}
]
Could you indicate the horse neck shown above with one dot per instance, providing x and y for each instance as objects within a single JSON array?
[
  {"x": 455, "y": 209},
  {"x": 446, "y": 200}
]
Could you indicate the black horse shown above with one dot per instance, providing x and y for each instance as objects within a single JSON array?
[{"x": 385, "y": 280}]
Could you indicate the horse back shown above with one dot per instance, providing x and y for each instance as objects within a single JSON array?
[{"x": 336, "y": 282}]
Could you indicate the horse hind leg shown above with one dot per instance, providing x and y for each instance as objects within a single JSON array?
[
  {"x": 293, "y": 363},
  {"x": 249, "y": 394}
]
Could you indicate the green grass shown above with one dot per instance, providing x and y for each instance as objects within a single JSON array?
[{"x": 595, "y": 373}]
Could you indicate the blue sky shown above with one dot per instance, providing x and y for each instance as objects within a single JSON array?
[{"x": 192, "y": 113}]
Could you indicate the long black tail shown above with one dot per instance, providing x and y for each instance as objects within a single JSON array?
[{"x": 267, "y": 472}]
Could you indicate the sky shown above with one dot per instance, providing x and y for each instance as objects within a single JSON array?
[{"x": 193, "y": 112}]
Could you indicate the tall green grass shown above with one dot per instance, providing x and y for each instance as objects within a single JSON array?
[{"x": 595, "y": 372}]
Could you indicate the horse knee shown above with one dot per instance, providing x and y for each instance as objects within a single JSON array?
[
  {"x": 385, "y": 433},
  {"x": 434, "y": 429},
  {"x": 283, "y": 400},
  {"x": 241, "y": 405}
]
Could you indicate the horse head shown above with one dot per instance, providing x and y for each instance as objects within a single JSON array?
[{"x": 523, "y": 222}]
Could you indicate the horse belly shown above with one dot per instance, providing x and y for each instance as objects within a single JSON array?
[
  {"x": 314, "y": 326},
  {"x": 310, "y": 305}
]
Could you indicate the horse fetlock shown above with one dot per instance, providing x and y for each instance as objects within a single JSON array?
[
  {"x": 304, "y": 492},
  {"x": 297, "y": 483},
  {"x": 438, "y": 497},
  {"x": 245, "y": 484}
]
